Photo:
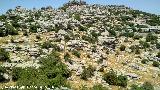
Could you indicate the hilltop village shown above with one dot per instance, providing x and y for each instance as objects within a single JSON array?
[{"x": 80, "y": 47}]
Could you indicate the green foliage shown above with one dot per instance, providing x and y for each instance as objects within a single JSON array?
[
  {"x": 4, "y": 55},
  {"x": 112, "y": 79},
  {"x": 16, "y": 73},
  {"x": 112, "y": 32},
  {"x": 77, "y": 17},
  {"x": 67, "y": 58},
  {"x": 51, "y": 73},
  {"x": 33, "y": 28},
  {"x": 158, "y": 45},
  {"x": 122, "y": 48},
  {"x": 2, "y": 33},
  {"x": 144, "y": 61},
  {"x": 76, "y": 53},
  {"x": 82, "y": 28},
  {"x": 141, "y": 26},
  {"x": 98, "y": 87},
  {"x": 87, "y": 73},
  {"x": 47, "y": 45},
  {"x": 126, "y": 18},
  {"x": 155, "y": 64},
  {"x": 2, "y": 70},
  {"x": 154, "y": 21},
  {"x": 145, "y": 86},
  {"x": 89, "y": 39},
  {"x": 10, "y": 30},
  {"x": 151, "y": 37},
  {"x": 144, "y": 44},
  {"x": 128, "y": 34},
  {"x": 158, "y": 55},
  {"x": 2, "y": 17},
  {"x": 137, "y": 37},
  {"x": 66, "y": 38}
]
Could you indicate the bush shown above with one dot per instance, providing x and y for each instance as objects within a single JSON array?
[
  {"x": 158, "y": 45},
  {"x": 122, "y": 81},
  {"x": 2, "y": 70},
  {"x": 137, "y": 37},
  {"x": 77, "y": 17},
  {"x": 144, "y": 61},
  {"x": 10, "y": 30},
  {"x": 87, "y": 73},
  {"x": 67, "y": 58},
  {"x": 4, "y": 55},
  {"x": 76, "y": 53},
  {"x": 16, "y": 73},
  {"x": 112, "y": 79},
  {"x": 122, "y": 48},
  {"x": 151, "y": 37},
  {"x": 51, "y": 73},
  {"x": 158, "y": 55},
  {"x": 98, "y": 87},
  {"x": 155, "y": 64},
  {"x": 145, "y": 86},
  {"x": 144, "y": 44},
  {"x": 112, "y": 32}
]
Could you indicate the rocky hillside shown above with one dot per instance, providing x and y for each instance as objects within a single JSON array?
[{"x": 80, "y": 47}]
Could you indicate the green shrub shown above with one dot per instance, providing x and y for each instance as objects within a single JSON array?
[
  {"x": 151, "y": 37},
  {"x": 112, "y": 79},
  {"x": 67, "y": 58},
  {"x": 158, "y": 55},
  {"x": 122, "y": 48},
  {"x": 4, "y": 55},
  {"x": 87, "y": 73},
  {"x": 155, "y": 64},
  {"x": 145, "y": 86},
  {"x": 51, "y": 73},
  {"x": 76, "y": 53},
  {"x": 98, "y": 87},
  {"x": 144, "y": 61}
]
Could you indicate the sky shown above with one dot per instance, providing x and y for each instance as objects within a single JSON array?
[{"x": 150, "y": 6}]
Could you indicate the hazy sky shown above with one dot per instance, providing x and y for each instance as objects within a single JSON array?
[{"x": 152, "y": 6}]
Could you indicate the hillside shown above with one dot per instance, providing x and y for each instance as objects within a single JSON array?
[{"x": 81, "y": 47}]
